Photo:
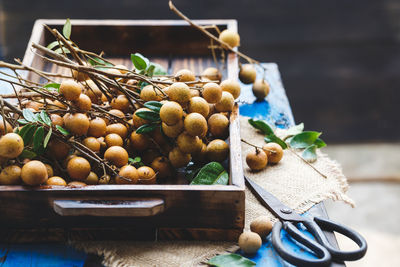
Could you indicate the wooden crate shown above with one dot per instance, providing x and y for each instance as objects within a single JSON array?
[{"x": 167, "y": 211}]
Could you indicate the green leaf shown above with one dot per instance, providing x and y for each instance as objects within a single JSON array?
[
  {"x": 310, "y": 153},
  {"x": 98, "y": 61},
  {"x": 38, "y": 138},
  {"x": 62, "y": 50},
  {"x": 294, "y": 130},
  {"x": 148, "y": 115},
  {"x": 272, "y": 138},
  {"x": 158, "y": 70},
  {"x": 47, "y": 138},
  {"x": 22, "y": 121},
  {"x": 45, "y": 118},
  {"x": 52, "y": 85},
  {"x": 146, "y": 128},
  {"x": 53, "y": 45},
  {"x": 27, "y": 133},
  {"x": 28, "y": 115},
  {"x": 231, "y": 260},
  {"x": 62, "y": 130},
  {"x": 191, "y": 171},
  {"x": 262, "y": 126},
  {"x": 150, "y": 70},
  {"x": 135, "y": 160},
  {"x": 153, "y": 105},
  {"x": 304, "y": 139},
  {"x": 319, "y": 143},
  {"x": 27, "y": 154},
  {"x": 211, "y": 173},
  {"x": 139, "y": 61},
  {"x": 67, "y": 29}
]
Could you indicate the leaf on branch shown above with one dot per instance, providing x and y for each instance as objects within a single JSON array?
[
  {"x": 47, "y": 138},
  {"x": 148, "y": 115},
  {"x": 62, "y": 50},
  {"x": 67, "y": 29},
  {"x": 158, "y": 69},
  {"x": 38, "y": 138},
  {"x": 139, "y": 61},
  {"x": 137, "y": 162},
  {"x": 52, "y": 85},
  {"x": 150, "y": 70},
  {"x": 319, "y": 143},
  {"x": 304, "y": 139},
  {"x": 27, "y": 154},
  {"x": 99, "y": 61},
  {"x": 62, "y": 130},
  {"x": 29, "y": 115},
  {"x": 212, "y": 173},
  {"x": 45, "y": 118},
  {"x": 26, "y": 133},
  {"x": 262, "y": 126},
  {"x": 146, "y": 128},
  {"x": 22, "y": 121},
  {"x": 294, "y": 130},
  {"x": 310, "y": 153},
  {"x": 153, "y": 105},
  {"x": 272, "y": 138},
  {"x": 231, "y": 260}
]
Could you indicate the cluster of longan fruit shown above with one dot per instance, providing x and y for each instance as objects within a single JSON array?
[
  {"x": 259, "y": 158},
  {"x": 251, "y": 241}
]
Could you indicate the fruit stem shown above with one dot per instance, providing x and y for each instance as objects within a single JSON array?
[
  {"x": 269, "y": 150},
  {"x": 308, "y": 163}
]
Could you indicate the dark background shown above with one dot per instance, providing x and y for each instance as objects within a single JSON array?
[{"x": 339, "y": 60}]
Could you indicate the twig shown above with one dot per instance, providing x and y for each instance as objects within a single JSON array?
[{"x": 308, "y": 163}]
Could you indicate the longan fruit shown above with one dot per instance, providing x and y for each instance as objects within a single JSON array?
[
  {"x": 33, "y": 105},
  {"x": 10, "y": 175},
  {"x": 201, "y": 155},
  {"x": 137, "y": 121},
  {"x": 103, "y": 144},
  {"x": 97, "y": 127},
  {"x": 274, "y": 152},
  {"x": 260, "y": 89},
  {"x": 188, "y": 143},
  {"x": 218, "y": 125},
  {"x": 92, "y": 143},
  {"x": 130, "y": 174},
  {"x": 146, "y": 175},
  {"x": 185, "y": 75},
  {"x": 77, "y": 124},
  {"x": 232, "y": 87},
  {"x": 3, "y": 130},
  {"x": 179, "y": 92},
  {"x": 76, "y": 184},
  {"x": 230, "y": 37},
  {"x": 79, "y": 76},
  {"x": 195, "y": 124},
  {"x": 56, "y": 180},
  {"x": 162, "y": 166},
  {"x": 217, "y": 150},
  {"x": 92, "y": 179},
  {"x": 78, "y": 168},
  {"x": 34, "y": 173},
  {"x": 194, "y": 93},
  {"x": 139, "y": 142},
  {"x": 67, "y": 159},
  {"x": 117, "y": 128},
  {"x": 249, "y": 242},
  {"x": 212, "y": 93},
  {"x": 257, "y": 160},
  {"x": 262, "y": 226},
  {"x": 226, "y": 103},
  {"x": 117, "y": 156},
  {"x": 120, "y": 103},
  {"x": 57, "y": 120},
  {"x": 105, "y": 179},
  {"x": 172, "y": 131},
  {"x": 149, "y": 93},
  {"x": 118, "y": 113},
  {"x": 93, "y": 91},
  {"x": 113, "y": 140},
  {"x": 178, "y": 158},
  {"x": 59, "y": 104},
  {"x": 83, "y": 103},
  {"x": 70, "y": 89},
  {"x": 212, "y": 73},
  {"x": 247, "y": 74},
  {"x": 171, "y": 113},
  {"x": 199, "y": 105},
  {"x": 50, "y": 171},
  {"x": 11, "y": 145},
  {"x": 58, "y": 149}
]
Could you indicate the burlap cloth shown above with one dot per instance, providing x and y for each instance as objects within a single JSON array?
[{"x": 295, "y": 183}]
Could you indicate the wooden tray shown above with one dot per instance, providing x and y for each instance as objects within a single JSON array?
[{"x": 173, "y": 211}]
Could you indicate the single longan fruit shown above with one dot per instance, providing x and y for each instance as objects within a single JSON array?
[
  {"x": 185, "y": 75},
  {"x": 162, "y": 166},
  {"x": 178, "y": 158},
  {"x": 188, "y": 143},
  {"x": 3, "y": 130},
  {"x": 212, "y": 73},
  {"x": 179, "y": 92},
  {"x": 57, "y": 120},
  {"x": 130, "y": 174},
  {"x": 50, "y": 171},
  {"x": 146, "y": 175},
  {"x": 79, "y": 76},
  {"x": 139, "y": 142},
  {"x": 67, "y": 159},
  {"x": 195, "y": 124},
  {"x": 118, "y": 113},
  {"x": 10, "y": 175},
  {"x": 117, "y": 128},
  {"x": 194, "y": 93},
  {"x": 218, "y": 125},
  {"x": 34, "y": 173},
  {"x": 230, "y": 37},
  {"x": 58, "y": 149},
  {"x": 212, "y": 93},
  {"x": 137, "y": 121},
  {"x": 92, "y": 143},
  {"x": 92, "y": 179},
  {"x": 11, "y": 145},
  {"x": 113, "y": 140},
  {"x": 97, "y": 127},
  {"x": 117, "y": 156},
  {"x": 76, "y": 184},
  {"x": 78, "y": 168},
  {"x": 274, "y": 152},
  {"x": 59, "y": 104},
  {"x": 77, "y": 124},
  {"x": 249, "y": 242},
  {"x": 247, "y": 74},
  {"x": 199, "y": 105},
  {"x": 172, "y": 131},
  {"x": 171, "y": 113},
  {"x": 120, "y": 103},
  {"x": 83, "y": 103},
  {"x": 56, "y": 180},
  {"x": 232, "y": 87},
  {"x": 105, "y": 179},
  {"x": 257, "y": 160},
  {"x": 262, "y": 226},
  {"x": 33, "y": 105},
  {"x": 201, "y": 155},
  {"x": 260, "y": 89},
  {"x": 70, "y": 89},
  {"x": 93, "y": 91},
  {"x": 217, "y": 150},
  {"x": 149, "y": 93},
  {"x": 226, "y": 103}
]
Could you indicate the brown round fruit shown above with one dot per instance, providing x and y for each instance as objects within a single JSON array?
[
  {"x": 97, "y": 127},
  {"x": 172, "y": 130},
  {"x": 129, "y": 175},
  {"x": 34, "y": 173},
  {"x": 70, "y": 89},
  {"x": 79, "y": 76},
  {"x": 212, "y": 93},
  {"x": 230, "y": 37},
  {"x": 146, "y": 175},
  {"x": 226, "y": 103},
  {"x": 195, "y": 124},
  {"x": 57, "y": 120},
  {"x": 262, "y": 226},
  {"x": 93, "y": 91},
  {"x": 249, "y": 242},
  {"x": 179, "y": 92},
  {"x": 247, "y": 74},
  {"x": 92, "y": 179},
  {"x": 162, "y": 166},
  {"x": 117, "y": 128},
  {"x": 92, "y": 143},
  {"x": 218, "y": 125},
  {"x": 76, "y": 184},
  {"x": 78, "y": 168},
  {"x": 185, "y": 75},
  {"x": 232, "y": 87},
  {"x": 120, "y": 103},
  {"x": 105, "y": 179},
  {"x": 56, "y": 180},
  {"x": 139, "y": 142},
  {"x": 117, "y": 156},
  {"x": 274, "y": 152},
  {"x": 11, "y": 145},
  {"x": 50, "y": 171},
  {"x": 217, "y": 150},
  {"x": 149, "y": 93},
  {"x": 118, "y": 113},
  {"x": 199, "y": 105},
  {"x": 137, "y": 121},
  {"x": 257, "y": 160},
  {"x": 113, "y": 140},
  {"x": 171, "y": 113},
  {"x": 178, "y": 158},
  {"x": 83, "y": 103},
  {"x": 58, "y": 149},
  {"x": 3, "y": 131},
  {"x": 260, "y": 89},
  {"x": 188, "y": 143},
  {"x": 77, "y": 124},
  {"x": 10, "y": 175},
  {"x": 212, "y": 73},
  {"x": 201, "y": 155}
]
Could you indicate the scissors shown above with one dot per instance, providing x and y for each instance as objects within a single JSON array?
[{"x": 288, "y": 219}]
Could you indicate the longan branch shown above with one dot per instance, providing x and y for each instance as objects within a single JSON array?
[
  {"x": 308, "y": 163},
  {"x": 244, "y": 141}
]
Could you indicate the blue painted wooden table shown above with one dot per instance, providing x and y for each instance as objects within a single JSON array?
[{"x": 275, "y": 109}]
